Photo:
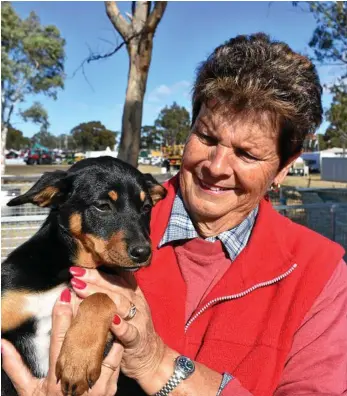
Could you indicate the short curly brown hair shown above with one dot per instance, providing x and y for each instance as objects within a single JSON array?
[{"x": 254, "y": 75}]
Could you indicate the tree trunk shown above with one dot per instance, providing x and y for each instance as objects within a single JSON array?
[
  {"x": 140, "y": 53},
  {"x": 138, "y": 36},
  {"x": 4, "y": 130}
]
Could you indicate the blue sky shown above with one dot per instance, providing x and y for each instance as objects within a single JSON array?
[{"x": 188, "y": 32}]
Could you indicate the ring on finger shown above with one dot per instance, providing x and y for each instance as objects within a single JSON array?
[
  {"x": 113, "y": 368},
  {"x": 132, "y": 312}
]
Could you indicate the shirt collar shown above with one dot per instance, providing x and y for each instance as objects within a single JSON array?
[{"x": 180, "y": 227}]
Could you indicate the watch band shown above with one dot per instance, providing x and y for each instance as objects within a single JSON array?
[
  {"x": 170, "y": 385},
  {"x": 184, "y": 368}
]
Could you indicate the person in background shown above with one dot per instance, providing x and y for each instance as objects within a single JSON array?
[{"x": 238, "y": 300}]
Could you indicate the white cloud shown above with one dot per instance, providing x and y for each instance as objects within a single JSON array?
[
  {"x": 159, "y": 93},
  {"x": 182, "y": 84},
  {"x": 163, "y": 91}
]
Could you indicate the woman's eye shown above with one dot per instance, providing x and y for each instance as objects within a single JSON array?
[
  {"x": 245, "y": 155},
  {"x": 146, "y": 208},
  {"x": 206, "y": 139},
  {"x": 103, "y": 207}
]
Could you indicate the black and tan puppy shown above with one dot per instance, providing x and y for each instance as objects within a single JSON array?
[{"x": 100, "y": 217}]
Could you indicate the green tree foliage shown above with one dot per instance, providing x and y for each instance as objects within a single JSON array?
[
  {"x": 174, "y": 124},
  {"x": 32, "y": 61},
  {"x": 151, "y": 138},
  {"x": 46, "y": 139},
  {"x": 329, "y": 39},
  {"x": 329, "y": 43},
  {"x": 337, "y": 116},
  {"x": 93, "y": 136},
  {"x": 16, "y": 140},
  {"x": 36, "y": 114}
]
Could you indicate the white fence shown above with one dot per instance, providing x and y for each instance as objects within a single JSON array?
[
  {"x": 15, "y": 230},
  {"x": 329, "y": 219}
]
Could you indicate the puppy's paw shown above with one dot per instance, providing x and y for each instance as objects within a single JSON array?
[
  {"x": 79, "y": 366},
  {"x": 77, "y": 376},
  {"x": 79, "y": 363}
]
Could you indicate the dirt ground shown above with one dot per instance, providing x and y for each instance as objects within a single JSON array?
[
  {"x": 313, "y": 180},
  {"x": 29, "y": 170},
  {"x": 293, "y": 181}
]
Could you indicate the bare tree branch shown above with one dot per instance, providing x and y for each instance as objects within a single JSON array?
[
  {"x": 140, "y": 15},
  {"x": 156, "y": 15},
  {"x": 117, "y": 19},
  {"x": 106, "y": 41},
  {"x": 94, "y": 57},
  {"x": 7, "y": 122}
]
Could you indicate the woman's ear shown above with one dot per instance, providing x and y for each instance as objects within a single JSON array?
[
  {"x": 281, "y": 175},
  {"x": 47, "y": 191}
]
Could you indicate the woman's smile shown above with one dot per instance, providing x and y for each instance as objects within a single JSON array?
[{"x": 214, "y": 189}]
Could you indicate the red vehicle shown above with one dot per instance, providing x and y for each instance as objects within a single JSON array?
[{"x": 39, "y": 157}]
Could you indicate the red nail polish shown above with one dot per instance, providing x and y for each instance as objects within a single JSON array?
[
  {"x": 116, "y": 320},
  {"x": 77, "y": 271},
  {"x": 65, "y": 296},
  {"x": 78, "y": 284}
]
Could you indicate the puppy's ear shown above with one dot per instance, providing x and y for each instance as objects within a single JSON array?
[
  {"x": 156, "y": 190},
  {"x": 48, "y": 191}
]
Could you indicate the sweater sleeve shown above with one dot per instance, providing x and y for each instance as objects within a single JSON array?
[{"x": 317, "y": 362}]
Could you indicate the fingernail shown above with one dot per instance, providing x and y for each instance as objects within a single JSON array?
[
  {"x": 77, "y": 271},
  {"x": 65, "y": 296},
  {"x": 78, "y": 284},
  {"x": 116, "y": 320}
]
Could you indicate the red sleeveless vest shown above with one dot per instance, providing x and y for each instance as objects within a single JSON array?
[{"x": 270, "y": 287}]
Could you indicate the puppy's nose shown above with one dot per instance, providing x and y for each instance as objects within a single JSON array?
[{"x": 140, "y": 253}]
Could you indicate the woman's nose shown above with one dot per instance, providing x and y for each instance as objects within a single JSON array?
[{"x": 220, "y": 162}]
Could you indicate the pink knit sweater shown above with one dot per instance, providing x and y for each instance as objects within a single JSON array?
[{"x": 317, "y": 362}]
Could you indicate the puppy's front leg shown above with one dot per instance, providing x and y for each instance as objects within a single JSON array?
[{"x": 79, "y": 362}]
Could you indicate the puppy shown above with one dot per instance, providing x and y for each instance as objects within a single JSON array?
[{"x": 99, "y": 218}]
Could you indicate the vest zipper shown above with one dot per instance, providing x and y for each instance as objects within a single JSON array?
[{"x": 238, "y": 295}]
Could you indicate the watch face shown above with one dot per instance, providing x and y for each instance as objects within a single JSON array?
[{"x": 185, "y": 364}]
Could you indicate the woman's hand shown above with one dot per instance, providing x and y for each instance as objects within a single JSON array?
[
  {"x": 27, "y": 385},
  {"x": 143, "y": 348}
]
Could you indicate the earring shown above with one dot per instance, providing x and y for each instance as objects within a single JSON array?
[{"x": 275, "y": 186}]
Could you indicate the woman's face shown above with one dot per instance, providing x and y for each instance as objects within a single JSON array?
[{"x": 227, "y": 168}]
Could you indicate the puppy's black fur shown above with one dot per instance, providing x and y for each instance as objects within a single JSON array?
[{"x": 99, "y": 218}]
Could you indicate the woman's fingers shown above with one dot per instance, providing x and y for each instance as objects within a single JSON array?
[
  {"x": 125, "y": 332},
  {"x": 107, "y": 383},
  {"x": 94, "y": 277},
  {"x": 61, "y": 321},
  {"x": 15, "y": 368},
  {"x": 83, "y": 290}
]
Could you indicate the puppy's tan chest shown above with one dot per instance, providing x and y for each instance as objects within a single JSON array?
[{"x": 21, "y": 305}]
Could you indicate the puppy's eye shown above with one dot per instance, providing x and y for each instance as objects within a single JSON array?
[
  {"x": 146, "y": 208},
  {"x": 103, "y": 207}
]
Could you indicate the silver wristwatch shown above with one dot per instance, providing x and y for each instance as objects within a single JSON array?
[{"x": 184, "y": 368}]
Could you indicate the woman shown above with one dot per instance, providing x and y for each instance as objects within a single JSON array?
[{"x": 256, "y": 303}]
